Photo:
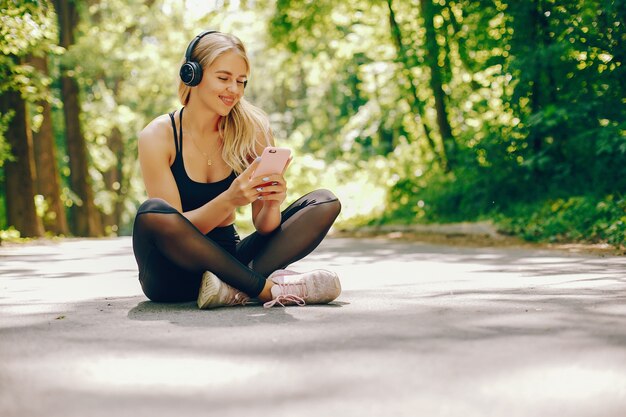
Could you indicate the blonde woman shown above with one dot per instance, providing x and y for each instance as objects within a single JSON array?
[{"x": 197, "y": 165}]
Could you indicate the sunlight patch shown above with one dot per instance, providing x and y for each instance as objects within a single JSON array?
[
  {"x": 166, "y": 372},
  {"x": 565, "y": 383}
]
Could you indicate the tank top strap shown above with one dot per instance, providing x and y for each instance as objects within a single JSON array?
[
  {"x": 180, "y": 129},
  {"x": 174, "y": 131}
]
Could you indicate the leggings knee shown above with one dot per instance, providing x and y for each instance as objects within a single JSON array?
[
  {"x": 150, "y": 216},
  {"x": 155, "y": 205},
  {"x": 328, "y": 204},
  {"x": 330, "y": 200}
]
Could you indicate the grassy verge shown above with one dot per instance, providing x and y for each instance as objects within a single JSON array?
[{"x": 582, "y": 219}]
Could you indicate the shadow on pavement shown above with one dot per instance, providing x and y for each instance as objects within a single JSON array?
[{"x": 188, "y": 314}]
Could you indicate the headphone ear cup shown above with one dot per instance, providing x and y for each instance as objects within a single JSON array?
[{"x": 191, "y": 73}]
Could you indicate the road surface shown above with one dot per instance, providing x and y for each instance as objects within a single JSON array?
[{"x": 419, "y": 330}]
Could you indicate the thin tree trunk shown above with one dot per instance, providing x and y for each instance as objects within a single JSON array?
[
  {"x": 418, "y": 105},
  {"x": 113, "y": 179},
  {"x": 19, "y": 172},
  {"x": 86, "y": 220},
  {"x": 436, "y": 84},
  {"x": 47, "y": 173}
]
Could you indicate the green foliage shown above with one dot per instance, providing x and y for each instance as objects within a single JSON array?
[
  {"x": 577, "y": 219},
  {"x": 5, "y": 149},
  {"x": 9, "y": 234},
  {"x": 541, "y": 118},
  {"x": 26, "y": 27},
  {"x": 534, "y": 94},
  {"x": 564, "y": 57},
  {"x": 440, "y": 197}
]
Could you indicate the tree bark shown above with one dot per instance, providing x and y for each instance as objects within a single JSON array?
[
  {"x": 48, "y": 181},
  {"x": 85, "y": 218},
  {"x": 115, "y": 182},
  {"x": 436, "y": 84},
  {"x": 19, "y": 172}
]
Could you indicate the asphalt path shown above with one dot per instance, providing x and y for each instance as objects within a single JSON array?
[{"x": 419, "y": 330}]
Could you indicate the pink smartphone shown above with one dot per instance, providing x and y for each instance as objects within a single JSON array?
[{"x": 273, "y": 161}]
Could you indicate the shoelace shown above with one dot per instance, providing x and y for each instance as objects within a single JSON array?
[
  {"x": 239, "y": 298},
  {"x": 288, "y": 294}
]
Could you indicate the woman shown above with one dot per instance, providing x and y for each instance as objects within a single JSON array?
[{"x": 198, "y": 169}]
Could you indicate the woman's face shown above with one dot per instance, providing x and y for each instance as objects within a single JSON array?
[{"x": 222, "y": 83}]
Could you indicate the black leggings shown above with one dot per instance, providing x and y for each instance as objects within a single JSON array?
[{"x": 172, "y": 254}]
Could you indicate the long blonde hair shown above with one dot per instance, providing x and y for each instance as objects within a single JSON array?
[{"x": 245, "y": 125}]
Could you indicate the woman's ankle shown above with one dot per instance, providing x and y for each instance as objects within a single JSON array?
[{"x": 266, "y": 294}]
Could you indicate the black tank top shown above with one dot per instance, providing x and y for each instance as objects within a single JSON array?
[{"x": 193, "y": 194}]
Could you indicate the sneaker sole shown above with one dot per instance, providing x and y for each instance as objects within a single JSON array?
[{"x": 209, "y": 290}]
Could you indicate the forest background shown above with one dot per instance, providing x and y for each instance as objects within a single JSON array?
[{"x": 411, "y": 111}]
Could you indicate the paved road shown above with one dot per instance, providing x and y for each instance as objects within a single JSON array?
[{"x": 419, "y": 330}]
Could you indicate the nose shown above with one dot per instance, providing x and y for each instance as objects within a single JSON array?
[{"x": 232, "y": 87}]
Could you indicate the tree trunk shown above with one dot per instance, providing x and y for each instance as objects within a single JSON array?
[
  {"x": 404, "y": 59},
  {"x": 85, "y": 217},
  {"x": 436, "y": 84},
  {"x": 19, "y": 172},
  {"x": 114, "y": 181},
  {"x": 47, "y": 173}
]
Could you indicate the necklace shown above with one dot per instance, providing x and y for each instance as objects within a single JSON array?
[{"x": 208, "y": 160}]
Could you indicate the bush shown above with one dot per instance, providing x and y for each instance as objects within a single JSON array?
[
  {"x": 518, "y": 207},
  {"x": 575, "y": 219}
]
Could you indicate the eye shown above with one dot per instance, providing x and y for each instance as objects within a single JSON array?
[{"x": 223, "y": 78}]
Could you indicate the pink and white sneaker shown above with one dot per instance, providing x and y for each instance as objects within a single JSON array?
[
  {"x": 294, "y": 288},
  {"x": 216, "y": 293}
]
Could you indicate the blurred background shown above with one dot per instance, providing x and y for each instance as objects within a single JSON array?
[{"x": 411, "y": 111}]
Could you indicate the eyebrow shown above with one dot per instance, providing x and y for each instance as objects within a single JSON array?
[{"x": 229, "y": 73}]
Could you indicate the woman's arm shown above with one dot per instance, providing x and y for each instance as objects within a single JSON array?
[
  {"x": 266, "y": 211},
  {"x": 156, "y": 154},
  {"x": 266, "y": 216}
]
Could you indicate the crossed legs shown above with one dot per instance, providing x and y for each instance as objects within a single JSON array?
[{"x": 172, "y": 254}]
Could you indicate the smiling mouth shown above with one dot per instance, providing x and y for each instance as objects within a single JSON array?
[{"x": 229, "y": 101}]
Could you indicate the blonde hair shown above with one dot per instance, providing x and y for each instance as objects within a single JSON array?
[{"x": 245, "y": 125}]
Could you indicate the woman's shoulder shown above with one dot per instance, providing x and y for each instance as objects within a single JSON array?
[
  {"x": 156, "y": 139},
  {"x": 158, "y": 130}
]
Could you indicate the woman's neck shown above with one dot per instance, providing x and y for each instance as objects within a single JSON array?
[{"x": 201, "y": 121}]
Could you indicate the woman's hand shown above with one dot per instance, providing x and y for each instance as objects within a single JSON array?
[
  {"x": 242, "y": 191},
  {"x": 272, "y": 188},
  {"x": 245, "y": 189},
  {"x": 268, "y": 188},
  {"x": 272, "y": 191}
]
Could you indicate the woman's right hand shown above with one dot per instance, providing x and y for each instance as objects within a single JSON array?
[{"x": 243, "y": 190}]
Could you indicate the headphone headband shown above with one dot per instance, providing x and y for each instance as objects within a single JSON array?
[{"x": 194, "y": 42}]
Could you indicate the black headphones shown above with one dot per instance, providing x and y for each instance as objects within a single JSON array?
[{"x": 191, "y": 71}]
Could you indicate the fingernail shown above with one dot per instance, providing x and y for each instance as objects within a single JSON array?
[
  {"x": 259, "y": 198},
  {"x": 259, "y": 189},
  {"x": 266, "y": 178},
  {"x": 274, "y": 183},
  {"x": 258, "y": 158}
]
